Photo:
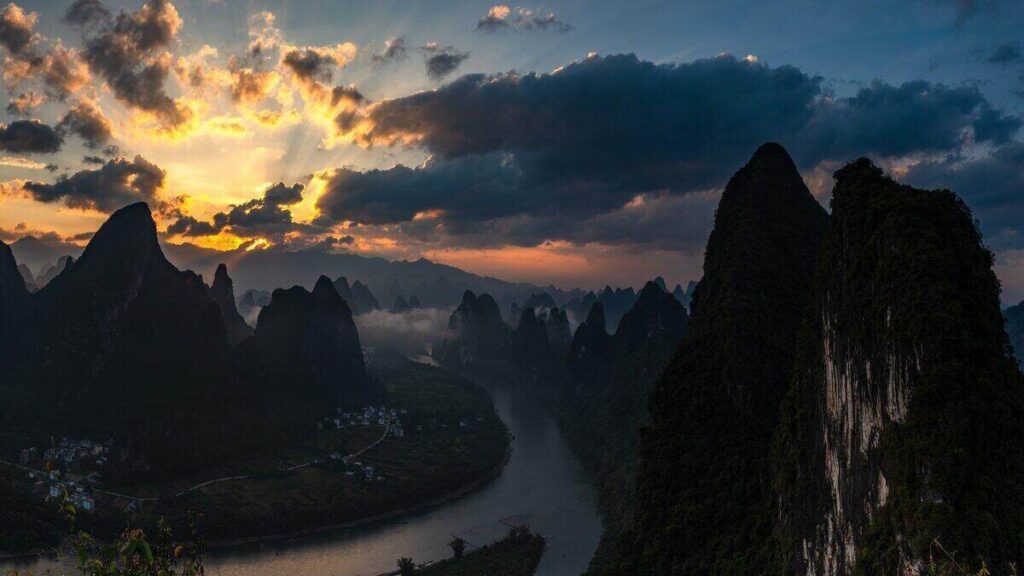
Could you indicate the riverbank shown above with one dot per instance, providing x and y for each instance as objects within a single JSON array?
[
  {"x": 517, "y": 554},
  {"x": 440, "y": 440}
]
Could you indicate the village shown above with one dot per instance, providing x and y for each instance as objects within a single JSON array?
[{"x": 71, "y": 469}]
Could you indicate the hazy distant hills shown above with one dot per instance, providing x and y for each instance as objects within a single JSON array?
[{"x": 435, "y": 285}]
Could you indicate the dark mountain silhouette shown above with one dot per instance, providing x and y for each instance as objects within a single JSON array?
[
  {"x": 223, "y": 293},
  {"x": 37, "y": 253},
  {"x": 541, "y": 300},
  {"x": 52, "y": 271},
  {"x": 436, "y": 285},
  {"x": 400, "y": 305},
  {"x": 903, "y": 424},
  {"x": 590, "y": 357},
  {"x": 530, "y": 354},
  {"x": 363, "y": 300},
  {"x": 578, "y": 308},
  {"x": 27, "y": 277},
  {"x": 1015, "y": 330},
  {"x": 703, "y": 496},
  {"x": 414, "y": 302},
  {"x": 344, "y": 290},
  {"x": 616, "y": 302},
  {"x": 559, "y": 333},
  {"x": 605, "y": 404},
  {"x": 476, "y": 338},
  {"x": 120, "y": 344},
  {"x": 310, "y": 339},
  {"x": 656, "y": 314},
  {"x": 12, "y": 295}
]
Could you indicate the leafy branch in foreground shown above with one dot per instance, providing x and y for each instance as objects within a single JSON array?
[
  {"x": 134, "y": 553},
  {"x": 941, "y": 562}
]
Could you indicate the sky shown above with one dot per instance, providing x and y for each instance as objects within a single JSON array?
[{"x": 577, "y": 143}]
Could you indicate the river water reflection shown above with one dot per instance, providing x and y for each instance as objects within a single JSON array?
[{"x": 543, "y": 485}]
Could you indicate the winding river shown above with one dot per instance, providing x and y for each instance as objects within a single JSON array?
[{"x": 543, "y": 485}]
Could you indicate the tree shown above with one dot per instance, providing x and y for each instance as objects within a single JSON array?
[
  {"x": 406, "y": 566},
  {"x": 458, "y": 546}
]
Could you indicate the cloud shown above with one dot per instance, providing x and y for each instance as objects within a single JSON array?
[
  {"x": 86, "y": 12},
  {"x": 117, "y": 183},
  {"x": 128, "y": 54},
  {"x": 394, "y": 51},
  {"x": 268, "y": 216},
  {"x": 991, "y": 184},
  {"x": 93, "y": 160},
  {"x": 24, "y": 163},
  {"x": 442, "y": 60},
  {"x": 16, "y": 31},
  {"x": 566, "y": 155},
  {"x": 29, "y": 136},
  {"x": 318, "y": 62},
  {"x": 1005, "y": 54},
  {"x": 500, "y": 17},
  {"x": 88, "y": 122},
  {"x": 25, "y": 103}
]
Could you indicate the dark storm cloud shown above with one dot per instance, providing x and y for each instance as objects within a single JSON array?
[
  {"x": 124, "y": 55},
  {"x": 93, "y": 160},
  {"x": 310, "y": 64},
  {"x": 268, "y": 216},
  {"x": 394, "y": 50},
  {"x": 917, "y": 116},
  {"x": 442, "y": 60},
  {"x": 86, "y": 12},
  {"x": 1005, "y": 54},
  {"x": 88, "y": 123},
  {"x": 501, "y": 17},
  {"x": 582, "y": 143},
  {"x": 27, "y": 136},
  {"x": 16, "y": 30},
  {"x": 992, "y": 186},
  {"x": 115, "y": 184}
]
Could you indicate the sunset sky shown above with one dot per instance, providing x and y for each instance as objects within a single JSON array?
[{"x": 576, "y": 142}]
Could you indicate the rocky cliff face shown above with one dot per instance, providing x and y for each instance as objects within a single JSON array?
[
  {"x": 223, "y": 293},
  {"x": 476, "y": 337},
  {"x": 703, "y": 491},
  {"x": 904, "y": 420},
  {"x": 310, "y": 339}
]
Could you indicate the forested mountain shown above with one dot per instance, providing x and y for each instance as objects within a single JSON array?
[
  {"x": 310, "y": 340},
  {"x": 122, "y": 345},
  {"x": 703, "y": 492},
  {"x": 903, "y": 424},
  {"x": 477, "y": 338},
  {"x": 604, "y": 403},
  {"x": 12, "y": 294},
  {"x": 114, "y": 341},
  {"x": 223, "y": 293}
]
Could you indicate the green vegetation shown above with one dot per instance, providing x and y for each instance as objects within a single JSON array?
[
  {"x": 703, "y": 491},
  {"x": 905, "y": 283},
  {"x": 518, "y": 554},
  {"x": 604, "y": 432},
  {"x": 451, "y": 436}
]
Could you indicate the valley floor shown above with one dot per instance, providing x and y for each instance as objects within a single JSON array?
[{"x": 437, "y": 437}]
